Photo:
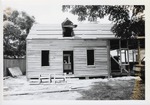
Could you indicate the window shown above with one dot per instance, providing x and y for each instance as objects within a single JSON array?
[
  {"x": 67, "y": 32},
  {"x": 45, "y": 58},
  {"x": 90, "y": 57},
  {"x": 67, "y": 27}
]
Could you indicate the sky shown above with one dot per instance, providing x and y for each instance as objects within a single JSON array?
[{"x": 44, "y": 11}]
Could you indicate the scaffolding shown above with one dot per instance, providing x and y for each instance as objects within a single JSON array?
[
  {"x": 123, "y": 54},
  {"x": 128, "y": 54}
]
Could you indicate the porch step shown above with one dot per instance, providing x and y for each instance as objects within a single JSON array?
[
  {"x": 34, "y": 81},
  {"x": 57, "y": 77},
  {"x": 47, "y": 78}
]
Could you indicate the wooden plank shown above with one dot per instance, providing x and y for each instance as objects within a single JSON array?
[
  {"x": 76, "y": 32},
  {"x": 101, "y": 62},
  {"x": 95, "y": 72},
  {"x": 34, "y": 59},
  {"x": 46, "y": 70},
  {"x": 68, "y": 43},
  {"x": 90, "y": 69},
  {"x": 90, "y": 75},
  {"x": 34, "y": 64},
  {"x": 76, "y": 37},
  {"x": 80, "y": 26},
  {"x": 15, "y": 71},
  {"x": 101, "y": 59},
  {"x": 67, "y": 48},
  {"x": 33, "y": 52},
  {"x": 108, "y": 58}
]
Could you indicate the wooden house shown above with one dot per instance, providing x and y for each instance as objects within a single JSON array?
[{"x": 85, "y": 54}]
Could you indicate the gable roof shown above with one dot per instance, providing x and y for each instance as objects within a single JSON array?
[{"x": 82, "y": 31}]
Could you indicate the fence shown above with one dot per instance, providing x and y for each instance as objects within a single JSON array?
[{"x": 21, "y": 63}]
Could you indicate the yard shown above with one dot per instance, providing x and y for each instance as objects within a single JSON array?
[{"x": 120, "y": 88}]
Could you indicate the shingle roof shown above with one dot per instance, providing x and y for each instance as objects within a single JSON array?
[{"x": 82, "y": 31}]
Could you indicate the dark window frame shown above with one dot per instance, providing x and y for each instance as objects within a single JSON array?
[
  {"x": 90, "y": 57},
  {"x": 45, "y": 57}
]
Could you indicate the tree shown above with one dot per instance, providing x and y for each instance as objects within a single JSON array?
[
  {"x": 16, "y": 26},
  {"x": 128, "y": 19}
]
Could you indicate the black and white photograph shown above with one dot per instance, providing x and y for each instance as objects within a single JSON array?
[{"x": 73, "y": 52}]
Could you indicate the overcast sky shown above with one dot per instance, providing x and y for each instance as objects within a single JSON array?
[{"x": 44, "y": 11}]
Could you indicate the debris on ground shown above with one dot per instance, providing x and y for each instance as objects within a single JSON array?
[
  {"x": 15, "y": 71},
  {"x": 119, "y": 88}
]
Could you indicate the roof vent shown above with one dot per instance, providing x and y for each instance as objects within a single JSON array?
[{"x": 67, "y": 27}]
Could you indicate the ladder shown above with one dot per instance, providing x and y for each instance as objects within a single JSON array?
[
  {"x": 121, "y": 65},
  {"x": 123, "y": 54}
]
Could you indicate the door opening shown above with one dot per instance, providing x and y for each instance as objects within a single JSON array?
[{"x": 68, "y": 62}]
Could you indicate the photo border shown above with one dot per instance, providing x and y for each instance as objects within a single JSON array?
[{"x": 106, "y": 102}]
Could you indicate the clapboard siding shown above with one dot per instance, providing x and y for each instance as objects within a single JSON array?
[
  {"x": 56, "y": 48},
  {"x": 99, "y": 73},
  {"x": 64, "y": 43},
  {"x": 100, "y": 67},
  {"x": 34, "y": 60}
]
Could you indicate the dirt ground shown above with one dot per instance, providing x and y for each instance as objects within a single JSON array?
[{"x": 87, "y": 89}]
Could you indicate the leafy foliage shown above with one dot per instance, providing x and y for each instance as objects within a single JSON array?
[
  {"x": 128, "y": 19},
  {"x": 16, "y": 26}
]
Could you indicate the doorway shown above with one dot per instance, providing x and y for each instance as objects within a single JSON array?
[{"x": 68, "y": 62}]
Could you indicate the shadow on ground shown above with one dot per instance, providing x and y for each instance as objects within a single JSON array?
[
  {"x": 115, "y": 90},
  {"x": 121, "y": 88}
]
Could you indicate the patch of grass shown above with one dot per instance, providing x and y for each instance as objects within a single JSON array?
[
  {"x": 138, "y": 91},
  {"x": 111, "y": 90}
]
